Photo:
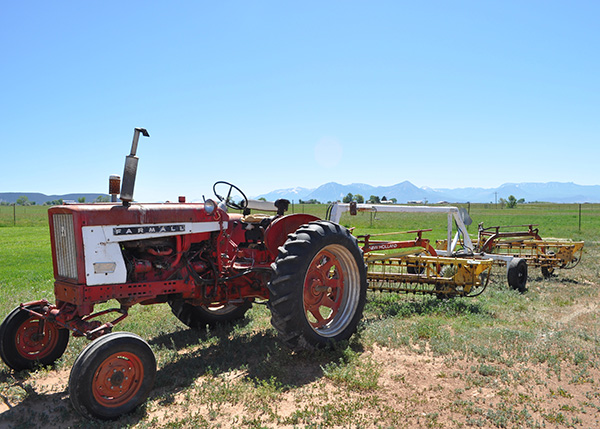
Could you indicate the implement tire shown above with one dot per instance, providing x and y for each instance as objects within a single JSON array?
[
  {"x": 319, "y": 286},
  {"x": 517, "y": 274}
]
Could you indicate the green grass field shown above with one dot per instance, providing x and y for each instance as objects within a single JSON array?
[
  {"x": 23, "y": 216},
  {"x": 502, "y": 359}
]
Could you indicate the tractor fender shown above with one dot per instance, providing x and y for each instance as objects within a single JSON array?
[{"x": 276, "y": 234}]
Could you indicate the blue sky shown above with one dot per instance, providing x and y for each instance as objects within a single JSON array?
[{"x": 278, "y": 94}]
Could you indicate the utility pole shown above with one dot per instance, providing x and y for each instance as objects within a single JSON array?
[{"x": 496, "y": 197}]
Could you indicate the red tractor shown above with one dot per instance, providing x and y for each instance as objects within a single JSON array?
[{"x": 208, "y": 264}]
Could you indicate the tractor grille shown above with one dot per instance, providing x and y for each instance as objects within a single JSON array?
[{"x": 66, "y": 252}]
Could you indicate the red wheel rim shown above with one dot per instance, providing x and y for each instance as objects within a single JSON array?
[
  {"x": 323, "y": 289},
  {"x": 118, "y": 379},
  {"x": 35, "y": 342}
]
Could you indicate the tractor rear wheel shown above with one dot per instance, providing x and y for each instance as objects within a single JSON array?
[
  {"x": 198, "y": 316},
  {"x": 27, "y": 340},
  {"x": 319, "y": 286},
  {"x": 112, "y": 376},
  {"x": 517, "y": 274}
]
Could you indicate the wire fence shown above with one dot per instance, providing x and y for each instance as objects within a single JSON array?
[
  {"x": 15, "y": 215},
  {"x": 580, "y": 217}
]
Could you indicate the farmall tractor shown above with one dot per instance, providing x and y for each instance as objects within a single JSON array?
[{"x": 208, "y": 264}]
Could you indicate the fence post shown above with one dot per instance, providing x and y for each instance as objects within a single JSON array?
[
  {"x": 579, "y": 217},
  {"x": 14, "y": 215}
]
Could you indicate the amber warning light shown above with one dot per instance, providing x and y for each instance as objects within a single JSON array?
[{"x": 114, "y": 186}]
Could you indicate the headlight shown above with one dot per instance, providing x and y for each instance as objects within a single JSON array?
[{"x": 209, "y": 206}]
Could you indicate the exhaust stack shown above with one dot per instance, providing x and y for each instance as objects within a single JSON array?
[{"x": 130, "y": 171}]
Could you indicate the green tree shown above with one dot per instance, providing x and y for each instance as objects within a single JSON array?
[
  {"x": 81, "y": 200},
  {"x": 511, "y": 203},
  {"x": 348, "y": 198},
  {"x": 102, "y": 199},
  {"x": 359, "y": 198},
  {"x": 374, "y": 199},
  {"x": 54, "y": 202},
  {"x": 23, "y": 201}
]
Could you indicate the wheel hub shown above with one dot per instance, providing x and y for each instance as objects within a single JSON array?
[
  {"x": 323, "y": 289},
  {"x": 117, "y": 379},
  {"x": 30, "y": 341}
]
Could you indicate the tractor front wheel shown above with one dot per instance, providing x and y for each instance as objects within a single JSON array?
[
  {"x": 27, "y": 340},
  {"x": 112, "y": 376},
  {"x": 319, "y": 286}
]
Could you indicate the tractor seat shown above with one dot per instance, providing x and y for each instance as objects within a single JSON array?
[{"x": 255, "y": 218}]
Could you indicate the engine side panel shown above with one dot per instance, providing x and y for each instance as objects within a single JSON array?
[{"x": 104, "y": 263}]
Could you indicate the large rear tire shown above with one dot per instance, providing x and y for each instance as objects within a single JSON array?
[
  {"x": 24, "y": 343},
  {"x": 198, "y": 316},
  {"x": 112, "y": 376},
  {"x": 319, "y": 286}
]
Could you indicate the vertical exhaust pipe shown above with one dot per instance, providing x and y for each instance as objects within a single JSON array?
[{"x": 130, "y": 171}]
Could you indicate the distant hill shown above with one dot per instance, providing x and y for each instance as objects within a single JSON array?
[
  {"x": 553, "y": 192},
  {"x": 404, "y": 192},
  {"x": 40, "y": 199}
]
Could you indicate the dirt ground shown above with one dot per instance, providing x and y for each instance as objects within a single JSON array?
[{"x": 414, "y": 390}]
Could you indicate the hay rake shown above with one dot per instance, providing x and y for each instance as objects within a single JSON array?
[
  {"x": 547, "y": 254},
  {"x": 413, "y": 266},
  {"x": 471, "y": 268}
]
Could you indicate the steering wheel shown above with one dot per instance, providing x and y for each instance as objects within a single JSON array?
[{"x": 228, "y": 202}]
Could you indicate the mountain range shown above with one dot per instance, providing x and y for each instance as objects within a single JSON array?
[{"x": 404, "y": 192}]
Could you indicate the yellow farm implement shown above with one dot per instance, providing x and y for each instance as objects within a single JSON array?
[
  {"x": 421, "y": 269},
  {"x": 547, "y": 254},
  {"x": 413, "y": 266}
]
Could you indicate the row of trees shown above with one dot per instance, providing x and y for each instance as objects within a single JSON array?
[
  {"x": 510, "y": 202},
  {"x": 24, "y": 201},
  {"x": 374, "y": 199}
]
